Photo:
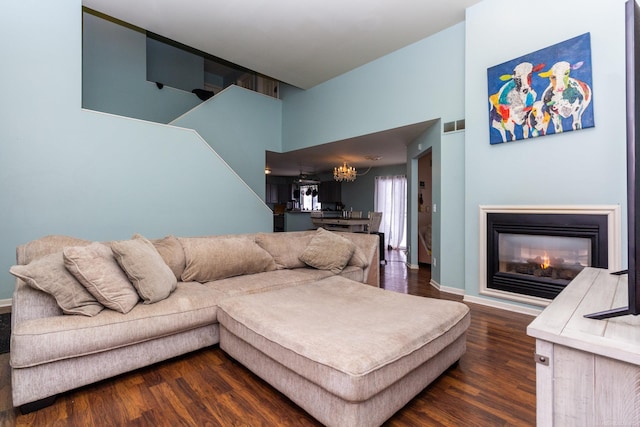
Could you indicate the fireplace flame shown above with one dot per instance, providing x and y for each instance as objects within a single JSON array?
[{"x": 545, "y": 261}]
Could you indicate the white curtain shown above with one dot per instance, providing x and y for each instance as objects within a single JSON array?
[{"x": 391, "y": 200}]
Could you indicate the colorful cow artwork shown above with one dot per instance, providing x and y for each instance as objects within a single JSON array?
[
  {"x": 538, "y": 119},
  {"x": 512, "y": 104},
  {"x": 565, "y": 97},
  {"x": 527, "y": 95}
]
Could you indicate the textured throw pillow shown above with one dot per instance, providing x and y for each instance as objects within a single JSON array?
[
  {"x": 217, "y": 257},
  {"x": 96, "y": 268},
  {"x": 171, "y": 251},
  {"x": 48, "y": 274},
  {"x": 328, "y": 251},
  {"x": 285, "y": 248},
  {"x": 150, "y": 275},
  {"x": 46, "y": 245}
]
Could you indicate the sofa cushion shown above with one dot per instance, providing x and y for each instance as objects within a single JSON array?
[
  {"x": 145, "y": 268},
  {"x": 46, "y": 245},
  {"x": 219, "y": 257},
  {"x": 285, "y": 248},
  {"x": 328, "y": 251},
  {"x": 352, "y": 340},
  {"x": 268, "y": 280},
  {"x": 191, "y": 306},
  {"x": 48, "y": 274},
  {"x": 171, "y": 251},
  {"x": 96, "y": 268}
]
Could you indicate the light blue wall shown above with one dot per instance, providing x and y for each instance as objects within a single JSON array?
[
  {"x": 114, "y": 75},
  {"x": 173, "y": 66},
  {"x": 64, "y": 170},
  {"x": 420, "y": 82},
  {"x": 423, "y": 81},
  {"x": 240, "y": 125},
  {"x": 583, "y": 167}
]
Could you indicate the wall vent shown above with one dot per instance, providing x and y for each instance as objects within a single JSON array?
[{"x": 457, "y": 125}]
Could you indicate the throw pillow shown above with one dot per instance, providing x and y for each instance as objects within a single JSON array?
[
  {"x": 328, "y": 251},
  {"x": 96, "y": 268},
  {"x": 46, "y": 245},
  {"x": 150, "y": 275},
  {"x": 285, "y": 248},
  {"x": 48, "y": 274},
  {"x": 171, "y": 251},
  {"x": 218, "y": 257}
]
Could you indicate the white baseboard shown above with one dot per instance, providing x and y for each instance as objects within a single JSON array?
[
  {"x": 412, "y": 266},
  {"x": 484, "y": 301},
  {"x": 447, "y": 289},
  {"x": 502, "y": 305},
  {"x": 5, "y": 303}
]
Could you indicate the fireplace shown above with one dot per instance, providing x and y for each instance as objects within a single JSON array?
[{"x": 530, "y": 255}]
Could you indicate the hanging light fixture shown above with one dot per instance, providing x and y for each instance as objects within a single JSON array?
[{"x": 344, "y": 173}]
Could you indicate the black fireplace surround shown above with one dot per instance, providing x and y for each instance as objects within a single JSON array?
[{"x": 589, "y": 226}]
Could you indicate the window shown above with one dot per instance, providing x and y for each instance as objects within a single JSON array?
[
  {"x": 391, "y": 200},
  {"x": 309, "y": 198}
]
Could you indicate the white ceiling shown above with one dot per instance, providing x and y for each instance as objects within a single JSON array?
[{"x": 302, "y": 43}]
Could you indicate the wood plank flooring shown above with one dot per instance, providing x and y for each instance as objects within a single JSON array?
[{"x": 492, "y": 385}]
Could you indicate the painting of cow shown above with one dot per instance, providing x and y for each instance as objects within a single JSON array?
[
  {"x": 542, "y": 93},
  {"x": 565, "y": 97},
  {"x": 511, "y": 105}
]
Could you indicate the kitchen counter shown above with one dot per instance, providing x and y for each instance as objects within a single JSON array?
[{"x": 341, "y": 224}]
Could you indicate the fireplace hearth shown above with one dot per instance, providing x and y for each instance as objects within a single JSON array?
[{"x": 533, "y": 255}]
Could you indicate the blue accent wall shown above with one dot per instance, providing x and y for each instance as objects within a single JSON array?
[
  {"x": 114, "y": 74},
  {"x": 573, "y": 168},
  {"x": 173, "y": 67},
  {"x": 240, "y": 125},
  {"x": 65, "y": 170},
  {"x": 103, "y": 177}
]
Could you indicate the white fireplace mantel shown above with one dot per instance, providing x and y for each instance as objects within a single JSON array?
[{"x": 612, "y": 213}]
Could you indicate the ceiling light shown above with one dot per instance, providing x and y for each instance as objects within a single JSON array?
[
  {"x": 267, "y": 171},
  {"x": 344, "y": 173}
]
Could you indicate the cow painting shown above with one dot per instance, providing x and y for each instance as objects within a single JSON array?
[
  {"x": 538, "y": 119},
  {"x": 546, "y": 92},
  {"x": 565, "y": 97},
  {"x": 511, "y": 105}
]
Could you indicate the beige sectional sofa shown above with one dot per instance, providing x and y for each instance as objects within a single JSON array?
[
  {"x": 107, "y": 331},
  {"x": 302, "y": 310}
]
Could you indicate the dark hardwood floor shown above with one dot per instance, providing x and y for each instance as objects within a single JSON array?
[{"x": 492, "y": 385}]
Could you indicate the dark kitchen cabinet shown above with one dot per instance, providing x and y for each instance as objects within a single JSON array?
[
  {"x": 330, "y": 192},
  {"x": 284, "y": 193},
  {"x": 277, "y": 193},
  {"x": 271, "y": 193}
]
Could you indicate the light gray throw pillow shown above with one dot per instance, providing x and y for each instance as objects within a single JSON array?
[
  {"x": 151, "y": 276},
  {"x": 328, "y": 251},
  {"x": 218, "y": 257},
  {"x": 48, "y": 274},
  {"x": 96, "y": 268}
]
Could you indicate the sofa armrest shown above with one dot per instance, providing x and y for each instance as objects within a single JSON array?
[
  {"x": 370, "y": 246},
  {"x": 29, "y": 303}
]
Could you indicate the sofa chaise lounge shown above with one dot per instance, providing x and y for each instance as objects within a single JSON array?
[{"x": 61, "y": 342}]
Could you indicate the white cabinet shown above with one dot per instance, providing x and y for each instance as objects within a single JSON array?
[{"x": 587, "y": 371}]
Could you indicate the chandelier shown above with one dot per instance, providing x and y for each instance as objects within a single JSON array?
[{"x": 344, "y": 173}]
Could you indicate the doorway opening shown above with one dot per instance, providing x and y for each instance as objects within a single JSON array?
[
  {"x": 391, "y": 200},
  {"x": 425, "y": 201}
]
